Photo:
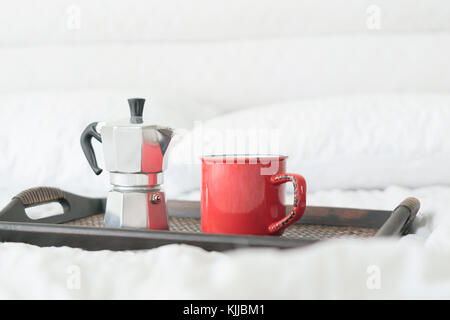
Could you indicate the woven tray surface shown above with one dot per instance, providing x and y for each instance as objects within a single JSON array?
[{"x": 298, "y": 231}]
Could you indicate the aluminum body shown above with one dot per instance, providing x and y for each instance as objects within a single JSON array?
[
  {"x": 136, "y": 156},
  {"x": 135, "y": 149}
]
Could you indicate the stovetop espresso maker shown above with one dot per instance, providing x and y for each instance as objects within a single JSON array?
[{"x": 135, "y": 155}]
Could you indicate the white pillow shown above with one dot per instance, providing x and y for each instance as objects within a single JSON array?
[{"x": 346, "y": 143}]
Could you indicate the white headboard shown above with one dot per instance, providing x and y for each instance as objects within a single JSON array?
[{"x": 212, "y": 56}]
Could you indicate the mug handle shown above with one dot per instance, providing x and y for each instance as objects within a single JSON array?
[{"x": 299, "y": 200}]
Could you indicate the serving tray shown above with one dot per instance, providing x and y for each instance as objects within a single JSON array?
[{"x": 86, "y": 231}]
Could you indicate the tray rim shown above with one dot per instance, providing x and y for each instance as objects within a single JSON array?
[
  {"x": 56, "y": 235},
  {"x": 210, "y": 242}
]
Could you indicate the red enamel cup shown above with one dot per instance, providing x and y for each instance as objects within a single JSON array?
[{"x": 245, "y": 195}]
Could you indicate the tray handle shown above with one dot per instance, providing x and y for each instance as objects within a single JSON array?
[
  {"x": 401, "y": 219},
  {"x": 36, "y": 196},
  {"x": 75, "y": 207}
]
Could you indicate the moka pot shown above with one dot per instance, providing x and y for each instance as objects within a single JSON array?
[{"x": 135, "y": 155}]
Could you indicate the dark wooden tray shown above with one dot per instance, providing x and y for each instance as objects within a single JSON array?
[{"x": 86, "y": 230}]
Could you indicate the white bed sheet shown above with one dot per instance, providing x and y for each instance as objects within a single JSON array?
[{"x": 414, "y": 267}]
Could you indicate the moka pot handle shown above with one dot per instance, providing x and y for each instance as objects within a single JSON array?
[{"x": 86, "y": 144}]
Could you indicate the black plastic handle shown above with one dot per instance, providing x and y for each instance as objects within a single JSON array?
[{"x": 86, "y": 143}]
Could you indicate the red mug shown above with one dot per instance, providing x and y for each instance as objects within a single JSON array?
[{"x": 245, "y": 195}]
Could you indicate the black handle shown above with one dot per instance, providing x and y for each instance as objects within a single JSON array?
[
  {"x": 75, "y": 207},
  {"x": 86, "y": 143}
]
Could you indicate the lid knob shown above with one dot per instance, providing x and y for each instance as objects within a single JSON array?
[{"x": 136, "y": 109}]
